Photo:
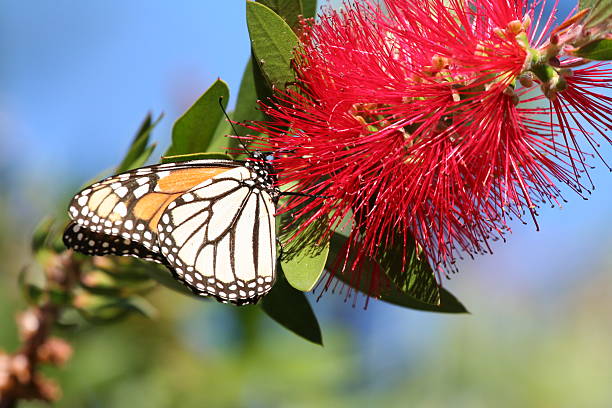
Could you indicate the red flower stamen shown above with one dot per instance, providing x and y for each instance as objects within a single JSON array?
[{"x": 415, "y": 122}]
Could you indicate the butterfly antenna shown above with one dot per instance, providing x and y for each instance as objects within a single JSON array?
[
  {"x": 298, "y": 194},
  {"x": 233, "y": 128}
]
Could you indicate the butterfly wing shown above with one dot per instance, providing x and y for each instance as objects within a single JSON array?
[
  {"x": 220, "y": 238},
  {"x": 128, "y": 206},
  {"x": 91, "y": 242}
]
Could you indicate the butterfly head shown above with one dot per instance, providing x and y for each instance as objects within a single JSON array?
[{"x": 263, "y": 172}]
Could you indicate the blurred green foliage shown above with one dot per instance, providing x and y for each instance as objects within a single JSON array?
[{"x": 510, "y": 353}]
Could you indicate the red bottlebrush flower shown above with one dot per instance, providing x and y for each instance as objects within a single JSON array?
[{"x": 414, "y": 122}]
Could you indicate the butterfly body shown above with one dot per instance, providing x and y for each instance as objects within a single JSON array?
[{"x": 211, "y": 222}]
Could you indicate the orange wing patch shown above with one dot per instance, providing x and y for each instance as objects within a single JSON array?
[
  {"x": 151, "y": 206},
  {"x": 184, "y": 179}
]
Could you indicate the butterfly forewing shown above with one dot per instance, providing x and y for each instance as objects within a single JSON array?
[
  {"x": 130, "y": 204},
  {"x": 220, "y": 238}
]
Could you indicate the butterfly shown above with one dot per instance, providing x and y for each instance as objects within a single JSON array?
[{"x": 211, "y": 222}]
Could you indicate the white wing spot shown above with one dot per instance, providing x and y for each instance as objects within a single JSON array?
[
  {"x": 121, "y": 209},
  {"x": 121, "y": 191},
  {"x": 140, "y": 191}
]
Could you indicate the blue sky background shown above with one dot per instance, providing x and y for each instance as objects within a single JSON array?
[{"x": 77, "y": 78}]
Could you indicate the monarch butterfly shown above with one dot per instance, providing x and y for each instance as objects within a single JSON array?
[{"x": 211, "y": 222}]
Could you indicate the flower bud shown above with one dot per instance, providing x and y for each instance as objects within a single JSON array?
[
  {"x": 526, "y": 79},
  {"x": 28, "y": 323},
  {"x": 515, "y": 27},
  {"x": 55, "y": 351}
]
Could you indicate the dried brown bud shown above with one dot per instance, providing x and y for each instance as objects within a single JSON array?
[
  {"x": 28, "y": 323},
  {"x": 5, "y": 375},
  {"x": 526, "y": 79},
  {"x": 46, "y": 389},
  {"x": 19, "y": 367},
  {"x": 55, "y": 351}
]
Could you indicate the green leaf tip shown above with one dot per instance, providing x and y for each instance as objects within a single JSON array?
[
  {"x": 388, "y": 291},
  {"x": 194, "y": 130},
  {"x": 290, "y": 308},
  {"x": 272, "y": 42},
  {"x": 140, "y": 150}
]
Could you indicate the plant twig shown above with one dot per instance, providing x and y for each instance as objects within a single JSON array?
[{"x": 19, "y": 376}]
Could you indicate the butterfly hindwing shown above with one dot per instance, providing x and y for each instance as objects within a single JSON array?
[
  {"x": 220, "y": 238},
  {"x": 94, "y": 243}
]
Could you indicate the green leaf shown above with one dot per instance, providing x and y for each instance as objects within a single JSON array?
[
  {"x": 31, "y": 292},
  {"x": 246, "y": 104},
  {"x": 59, "y": 296},
  {"x": 99, "y": 309},
  {"x": 303, "y": 259},
  {"x": 415, "y": 278},
  {"x": 289, "y": 10},
  {"x": 99, "y": 281},
  {"x": 141, "y": 305},
  {"x": 193, "y": 131},
  {"x": 601, "y": 11},
  {"x": 41, "y": 233},
  {"x": 139, "y": 151},
  {"x": 220, "y": 140},
  {"x": 272, "y": 41},
  {"x": 290, "y": 308},
  {"x": 448, "y": 302},
  {"x": 388, "y": 291},
  {"x": 194, "y": 156},
  {"x": 598, "y": 50},
  {"x": 142, "y": 159},
  {"x": 252, "y": 86},
  {"x": 310, "y": 8},
  {"x": 262, "y": 86},
  {"x": 583, "y": 4}
]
